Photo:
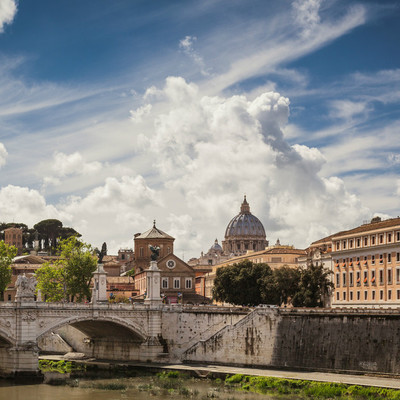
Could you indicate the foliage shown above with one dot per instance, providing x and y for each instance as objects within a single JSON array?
[
  {"x": 71, "y": 274},
  {"x": 119, "y": 298},
  {"x": 311, "y": 389},
  {"x": 51, "y": 231},
  {"x": 60, "y": 366},
  {"x": 243, "y": 284},
  {"x": 51, "y": 282},
  {"x": 7, "y": 253},
  {"x": 247, "y": 283},
  {"x": 314, "y": 285}
]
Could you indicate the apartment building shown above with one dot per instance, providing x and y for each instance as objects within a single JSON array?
[{"x": 366, "y": 265}]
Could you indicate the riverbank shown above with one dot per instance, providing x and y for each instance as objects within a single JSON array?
[{"x": 220, "y": 371}]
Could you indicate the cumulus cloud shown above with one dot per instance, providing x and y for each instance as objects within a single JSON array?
[
  {"x": 21, "y": 204},
  {"x": 65, "y": 165},
  {"x": 8, "y": 9},
  {"x": 210, "y": 150},
  {"x": 3, "y": 154}
]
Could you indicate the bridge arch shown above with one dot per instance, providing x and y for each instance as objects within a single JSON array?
[
  {"x": 100, "y": 327},
  {"x": 6, "y": 340}
]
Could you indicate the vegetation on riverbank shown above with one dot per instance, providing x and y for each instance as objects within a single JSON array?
[
  {"x": 309, "y": 389},
  {"x": 61, "y": 366}
]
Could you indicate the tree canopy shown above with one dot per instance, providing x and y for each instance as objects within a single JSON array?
[
  {"x": 247, "y": 283},
  {"x": 70, "y": 276},
  {"x": 7, "y": 253}
]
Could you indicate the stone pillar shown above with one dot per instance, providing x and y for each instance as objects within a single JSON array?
[
  {"x": 153, "y": 288},
  {"x": 99, "y": 293}
]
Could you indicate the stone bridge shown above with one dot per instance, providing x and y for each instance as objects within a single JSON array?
[
  {"x": 126, "y": 332},
  {"x": 352, "y": 340}
]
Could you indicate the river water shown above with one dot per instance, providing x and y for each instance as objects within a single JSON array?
[{"x": 138, "y": 388}]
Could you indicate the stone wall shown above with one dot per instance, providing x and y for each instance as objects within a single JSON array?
[{"x": 334, "y": 340}]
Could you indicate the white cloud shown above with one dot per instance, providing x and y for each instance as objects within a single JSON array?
[
  {"x": 347, "y": 109},
  {"x": 307, "y": 15},
  {"x": 3, "y": 154},
  {"x": 21, "y": 204},
  {"x": 394, "y": 159},
  {"x": 210, "y": 150},
  {"x": 187, "y": 46},
  {"x": 8, "y": 9}
]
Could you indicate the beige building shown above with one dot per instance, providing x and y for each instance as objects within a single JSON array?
[{"x": 366, "y": 265}]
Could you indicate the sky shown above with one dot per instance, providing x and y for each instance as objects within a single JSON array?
[{"x": 117, "y": 113}]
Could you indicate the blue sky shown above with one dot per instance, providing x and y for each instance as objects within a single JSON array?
[{"x": 115, "y": 113}]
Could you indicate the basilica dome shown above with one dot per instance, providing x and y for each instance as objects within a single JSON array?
[{"x": 244, "y": 232}]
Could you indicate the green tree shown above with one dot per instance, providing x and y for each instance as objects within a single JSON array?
[
  {"x": 243, "y": 284},
  {"x": 71, "y": 274},
  {"x": 314, "y": 286},
  {"x": 7, "y": 253},
  {"x": 51, "y": 282},
  {"x": 51, "y": 230},
  {"x": 285, "y": 284}
]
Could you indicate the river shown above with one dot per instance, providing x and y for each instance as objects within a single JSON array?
[{"x": 138, "y": 388}]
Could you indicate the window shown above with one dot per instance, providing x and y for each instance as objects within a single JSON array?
[
  {"x": 398, "y": 236},
  {"x": 351, "y": 243},
  {"x": 372, "y": 259},
  {"x": 344, "y": 295},
  {"x": 141, "y": 252},
  {"x": 168, "y": 250},
  {"x": 372, "y": 239},
  {"x": 358, "y": 242},
  {"x": 380, "y": 238},
  {"x": 338, "y": 279},
  {"x": 389, "y": 276},
  {"x": 337, "y": 245},
  {"x": 351, "y": 295},
  {"x": 358, "y": 278},
  {"x": 381, "y": 295},
  {"x": 397, "y": 257},
  {"x": 389, "y": 258},
  {"x": 366, "y": 278},
  {"x": 389, "y": 294},
  {"x": 373, "y": 281},
  {"x": 344, "y": 244},
  {"x": 344, "y": 278},
  {"x": 397, "y": 275},
  {"x": 358, "y": 295},
  {"x": 365, "y": 241},
  {"x": 177, "y": 283},
  {"x": 365, "y": 295},
  {"x": 398, "y": 294},
  {"x": 351, "y": 262},
  {"x": 373, "y": 295},
  {"x": 389, "y": 237},
  {"x": 9, "y": 297},
  {"x": 338, "y": 296},
  {"x": 381, "y": 276},
  {"x": 164, "y": 283},
  {"x": 380, "y": 258},
  {"x": 188, "y": 283},
  {"x": 351, "y": 278}
]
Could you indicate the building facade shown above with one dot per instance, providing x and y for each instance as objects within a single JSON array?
[
  {"x": 366, "y": 265},
  {"x": 13, "y": 237}
]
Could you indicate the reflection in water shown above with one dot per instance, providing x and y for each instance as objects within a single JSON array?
[{"x": 138, "y": 388}]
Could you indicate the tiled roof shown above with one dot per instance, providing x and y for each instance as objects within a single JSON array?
[
  {"x": 388, "y": 223},
  {"x": 154, "y": 233}
]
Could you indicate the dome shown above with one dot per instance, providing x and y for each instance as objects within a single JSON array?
[
  {"x": 245, "y": 224},
  {"x": 216, "y": 247}
]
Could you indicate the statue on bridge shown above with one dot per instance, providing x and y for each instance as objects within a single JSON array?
[
  {"x": 26, "y": 287},
  {"x": 102, "y": 253},
  {"x": 155, "y": 252}
]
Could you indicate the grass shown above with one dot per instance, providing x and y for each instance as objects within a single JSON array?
[{"x": 310, "y": 389}]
